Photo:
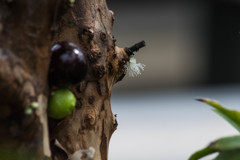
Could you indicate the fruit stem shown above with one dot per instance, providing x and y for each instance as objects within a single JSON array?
[{"x": 134, "y": 48}]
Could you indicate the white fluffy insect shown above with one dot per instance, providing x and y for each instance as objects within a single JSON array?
[
  {"x": 87, "y": 154},
  {"x": 134, "y": 68}
]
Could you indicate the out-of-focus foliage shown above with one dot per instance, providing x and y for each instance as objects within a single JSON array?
[{"x": 227, "y": 147}]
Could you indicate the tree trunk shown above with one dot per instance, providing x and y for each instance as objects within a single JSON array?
[
  {"x": 92, "y": 122},
  {"x": 27, "y": 31},
  {"x": 24, "y": 58}
]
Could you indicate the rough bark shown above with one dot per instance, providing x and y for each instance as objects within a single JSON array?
[
  {"x": 24, "y": 43},
  {"x": 92, "y": 122},
  {"x": 27, "y": 31}
]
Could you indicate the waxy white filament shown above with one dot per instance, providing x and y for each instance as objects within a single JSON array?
[{"x": 134, "y": 68}]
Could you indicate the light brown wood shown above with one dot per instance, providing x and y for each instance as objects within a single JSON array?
[
  {"x": 25, "y": 38},
  {"x": 27, "y": 31},
  {"x": 92, "y": 122}
]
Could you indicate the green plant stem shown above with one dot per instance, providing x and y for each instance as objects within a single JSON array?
[{"x": 202, "y": 153}]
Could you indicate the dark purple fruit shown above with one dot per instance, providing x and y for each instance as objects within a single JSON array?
[{"x": 68, "y": 64}]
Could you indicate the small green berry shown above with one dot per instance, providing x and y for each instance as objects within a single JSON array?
[
  {"x": 28, "y": 111},
  {"x": 71, "y": 1},
  {"x": 61, "y": 104},
  {"x": 34, "y": 105}
]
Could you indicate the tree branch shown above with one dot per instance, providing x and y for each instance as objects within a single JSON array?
[{"x": 134, "y": 48}]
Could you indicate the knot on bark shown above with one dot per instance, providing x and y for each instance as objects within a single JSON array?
[
  {"x": 114, "y": 123},
  {"x": 114, "y": 56},
  {"x": 121, "y": 65},
  {"x": 110, "y": 68},
  {"x": 86, "y": 34},
  {"x": 91, "y": 100},
  {"x": 103, "y": 36},
  {"x": 90, "y": 118},
  {"x": 93, "y": 56},
  {"x": 80, "y": 88},
  {"x": 87, "y": 154},
  {"x": 112, "y": 14},
  {"x": 99, "y": 71}
]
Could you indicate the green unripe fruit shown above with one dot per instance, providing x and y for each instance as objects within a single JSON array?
[{"x": 61, "y": 104}]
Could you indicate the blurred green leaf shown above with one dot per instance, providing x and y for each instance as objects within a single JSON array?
[
  {"x": 226, "y": 143},
  {"x": 228, "y": 147},
  {"x": 232, "y": 116},
  {"x": 229, "y": 155},
  {"x": 202, "y": 153},
  {"x": 225, "y": 146}
]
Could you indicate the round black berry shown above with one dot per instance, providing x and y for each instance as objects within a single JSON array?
[{"x": 68, "y": 64}]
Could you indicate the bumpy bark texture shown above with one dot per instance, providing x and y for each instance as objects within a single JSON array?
[
  {"x": 24, "y": 44},
  {"x": 89, "y": 24},
  {"x": 27, "y": 30}
]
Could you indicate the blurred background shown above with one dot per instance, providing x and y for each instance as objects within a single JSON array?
[{"x": 193, "y": 50}]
